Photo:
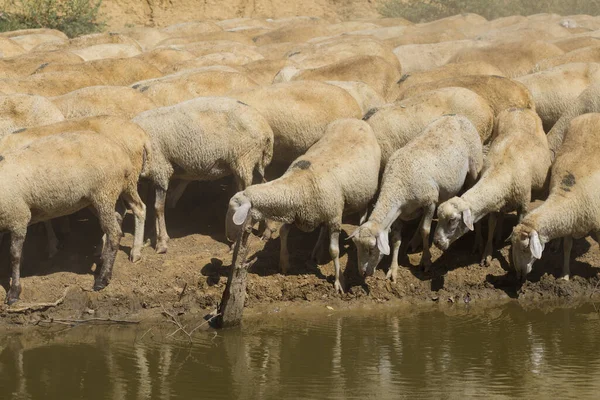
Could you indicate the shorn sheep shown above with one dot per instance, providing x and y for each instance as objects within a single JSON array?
[
  {"x": 431, "y": 168},
  {"x": 337, "y": 175},
  {"x": 516, "y": 165},
  {"x": 572, "y": 209},
  {"x": 87, "y": 170},
  {"x": 206, "y": 138}
]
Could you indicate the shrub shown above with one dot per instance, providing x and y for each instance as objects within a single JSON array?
[
  {"x": 73, "y": 17},
  {"x": 429, "y": 10}
]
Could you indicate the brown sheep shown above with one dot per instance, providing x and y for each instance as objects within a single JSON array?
[
  {"x": 165, "y": 58},
  {"x": 372, "y": 70},
  {"x": 103, "y": 100},
  {"x": 512, "y": 58},
  {"x": 501, "y": 93},
  {"x": 586, "y": 54}
]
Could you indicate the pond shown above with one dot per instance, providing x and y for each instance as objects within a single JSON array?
[{"x": 452, "y": 352}]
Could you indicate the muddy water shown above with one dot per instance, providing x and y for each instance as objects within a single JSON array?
[{"x": 452, "y": 353}]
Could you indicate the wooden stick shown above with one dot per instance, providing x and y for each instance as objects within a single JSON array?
[
  {"x": 232, "y": 303},
  {"x": 39, "y": 306},
  {"x": 89, "y": 320}
]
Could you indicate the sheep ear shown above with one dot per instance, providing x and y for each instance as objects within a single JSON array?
[
  {"x": 535, "y": 245},
  {"x": 241, "y": 213},
  {"x": 383, "y": 243},
  {"x": 468, "y": 219}
]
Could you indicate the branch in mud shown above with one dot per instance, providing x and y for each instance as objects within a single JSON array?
[
  {"x": 182, "y": 328},
  {"x": 39, "y": 306},
  {"x": 88, "y": 321}
]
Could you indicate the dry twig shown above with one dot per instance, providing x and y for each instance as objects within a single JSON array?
[{"x": 38, "y": 306}]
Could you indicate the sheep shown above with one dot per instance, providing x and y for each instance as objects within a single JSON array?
[
  {"x": 90, "y": 41},
  {"x": 208, "y": 37},
  {"x": 571, "y": 210},
  {"x": 586, "y": 54},
  {"x": 22, "y": 110},
  {"x": 336, "y": 49},
  {"x": 191, "y": 28},
  {"x": 263, "y": 71},
  {"x": 165, "y": 58},
  {"x": 225, "y": 58},
  {"x": 372, "y": 70},
  {"x": 397, "y": 124},
  {"x": 423, "y": 57},
  {"x": 298, "y": 112},
  {"x": 108, "y": 50},
  {"x": 447, "y": 71},
  {"x": 516, "y": 165},
  {"x": 576, "y": 42},
  {"x": 431, "y": 168},
  {"x": 336, "y": 176},
  {"x": 200, "y": 49},
  {"x": 48, "y": 83},
  {"x": 32, "y": 40},
  {"x": 147, "y": 37},
  {"x": 206, "y": 138},
  {"x": 27, "y": 64},
  {"x": 587, "y": 102},
  {"x": 513, "y": 58},
  {"x": 111, "y": 71},
  {"x": 102, "y": 100},
  {"x": 10, "y": 48},
  {"x": 501, "y": 93},
  {"x": 87, "y": 170},
  {"x": 185, "y": 85},
  {"x": 554, "y": 90},
  {"x": 133, "y": 141},
  {"x": 365, "y": 96}
]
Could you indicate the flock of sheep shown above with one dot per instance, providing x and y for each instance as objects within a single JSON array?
[{"x": 393, "y": 120}]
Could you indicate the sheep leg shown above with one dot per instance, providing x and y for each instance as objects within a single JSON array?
[
  {"x": 415, "y": 241},
  {"x": 161, "y": 226},
  {"x": 176, "y": 193},
  {"x": 567, "y": 246},
  {"x": 134, "y": 202},
  {"x": 392, "y": 273},
  {"x": 52, "y": 239},
  {"x": 499, "y": 230},
  {"x": 334, "y": 251},
  {"x": 317, "y": 250},
  {"x": 110, "y": 226},
  {"x": 486, "y": 259},
  {"x": 425, "y": 228},
  {"x": 17, "y": 238},
  {"x": 284, "y": 255},
  {"x": 478, "y": 244}
]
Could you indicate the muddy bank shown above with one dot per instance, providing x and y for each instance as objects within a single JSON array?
[{"x": 191, "y": 277}]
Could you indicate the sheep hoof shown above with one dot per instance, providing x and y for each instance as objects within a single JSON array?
[
  {"x": 565, "y": 278},
  {"x": 100, "y": 284},
  {"x": 338, "y": 287},
  {"x": 135, "y": 257},
  {"x": 486, "y": 262},
  {"x": 161, "y": 248},
  {"x": 13, "y": 295},
  {"x": 391, "y": 275}
]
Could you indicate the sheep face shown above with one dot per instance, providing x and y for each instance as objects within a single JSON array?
[
  {"x": 239, "y": 207},
  {"x": 371, "y": 245},
  {"x": 526, "y": 249},
  {"x": 454, "y": 220}
]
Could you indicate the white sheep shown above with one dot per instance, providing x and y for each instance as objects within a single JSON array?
[
  {"x": 572, "y": 209},
  {"x": 87, "y": 170},
  {"x": 206, "y": 138},
  {"x": 516, "y": 164},
  {"x": 431, "y": 168},
  {"x": 336, "y": 176}
]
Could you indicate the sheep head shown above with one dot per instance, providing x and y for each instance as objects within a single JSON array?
[
  {"x": 237, "y": 213},
  {"x": 526, "y": 248},
  {"x": 371, "y": 244},
  {"x": 454, "y": 220}
]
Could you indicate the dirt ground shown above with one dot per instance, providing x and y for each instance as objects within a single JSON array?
[{"x": 191, "y": 277}]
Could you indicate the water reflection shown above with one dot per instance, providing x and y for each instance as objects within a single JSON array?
[{"x": 501, "y": 353}]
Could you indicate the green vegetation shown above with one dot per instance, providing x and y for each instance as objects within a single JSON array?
[
  {"x": 429, "y": 10},
  {"x": 73, "y": 17}
]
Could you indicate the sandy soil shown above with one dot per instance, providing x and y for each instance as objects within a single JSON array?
[{"x": 192, "y": 276}]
